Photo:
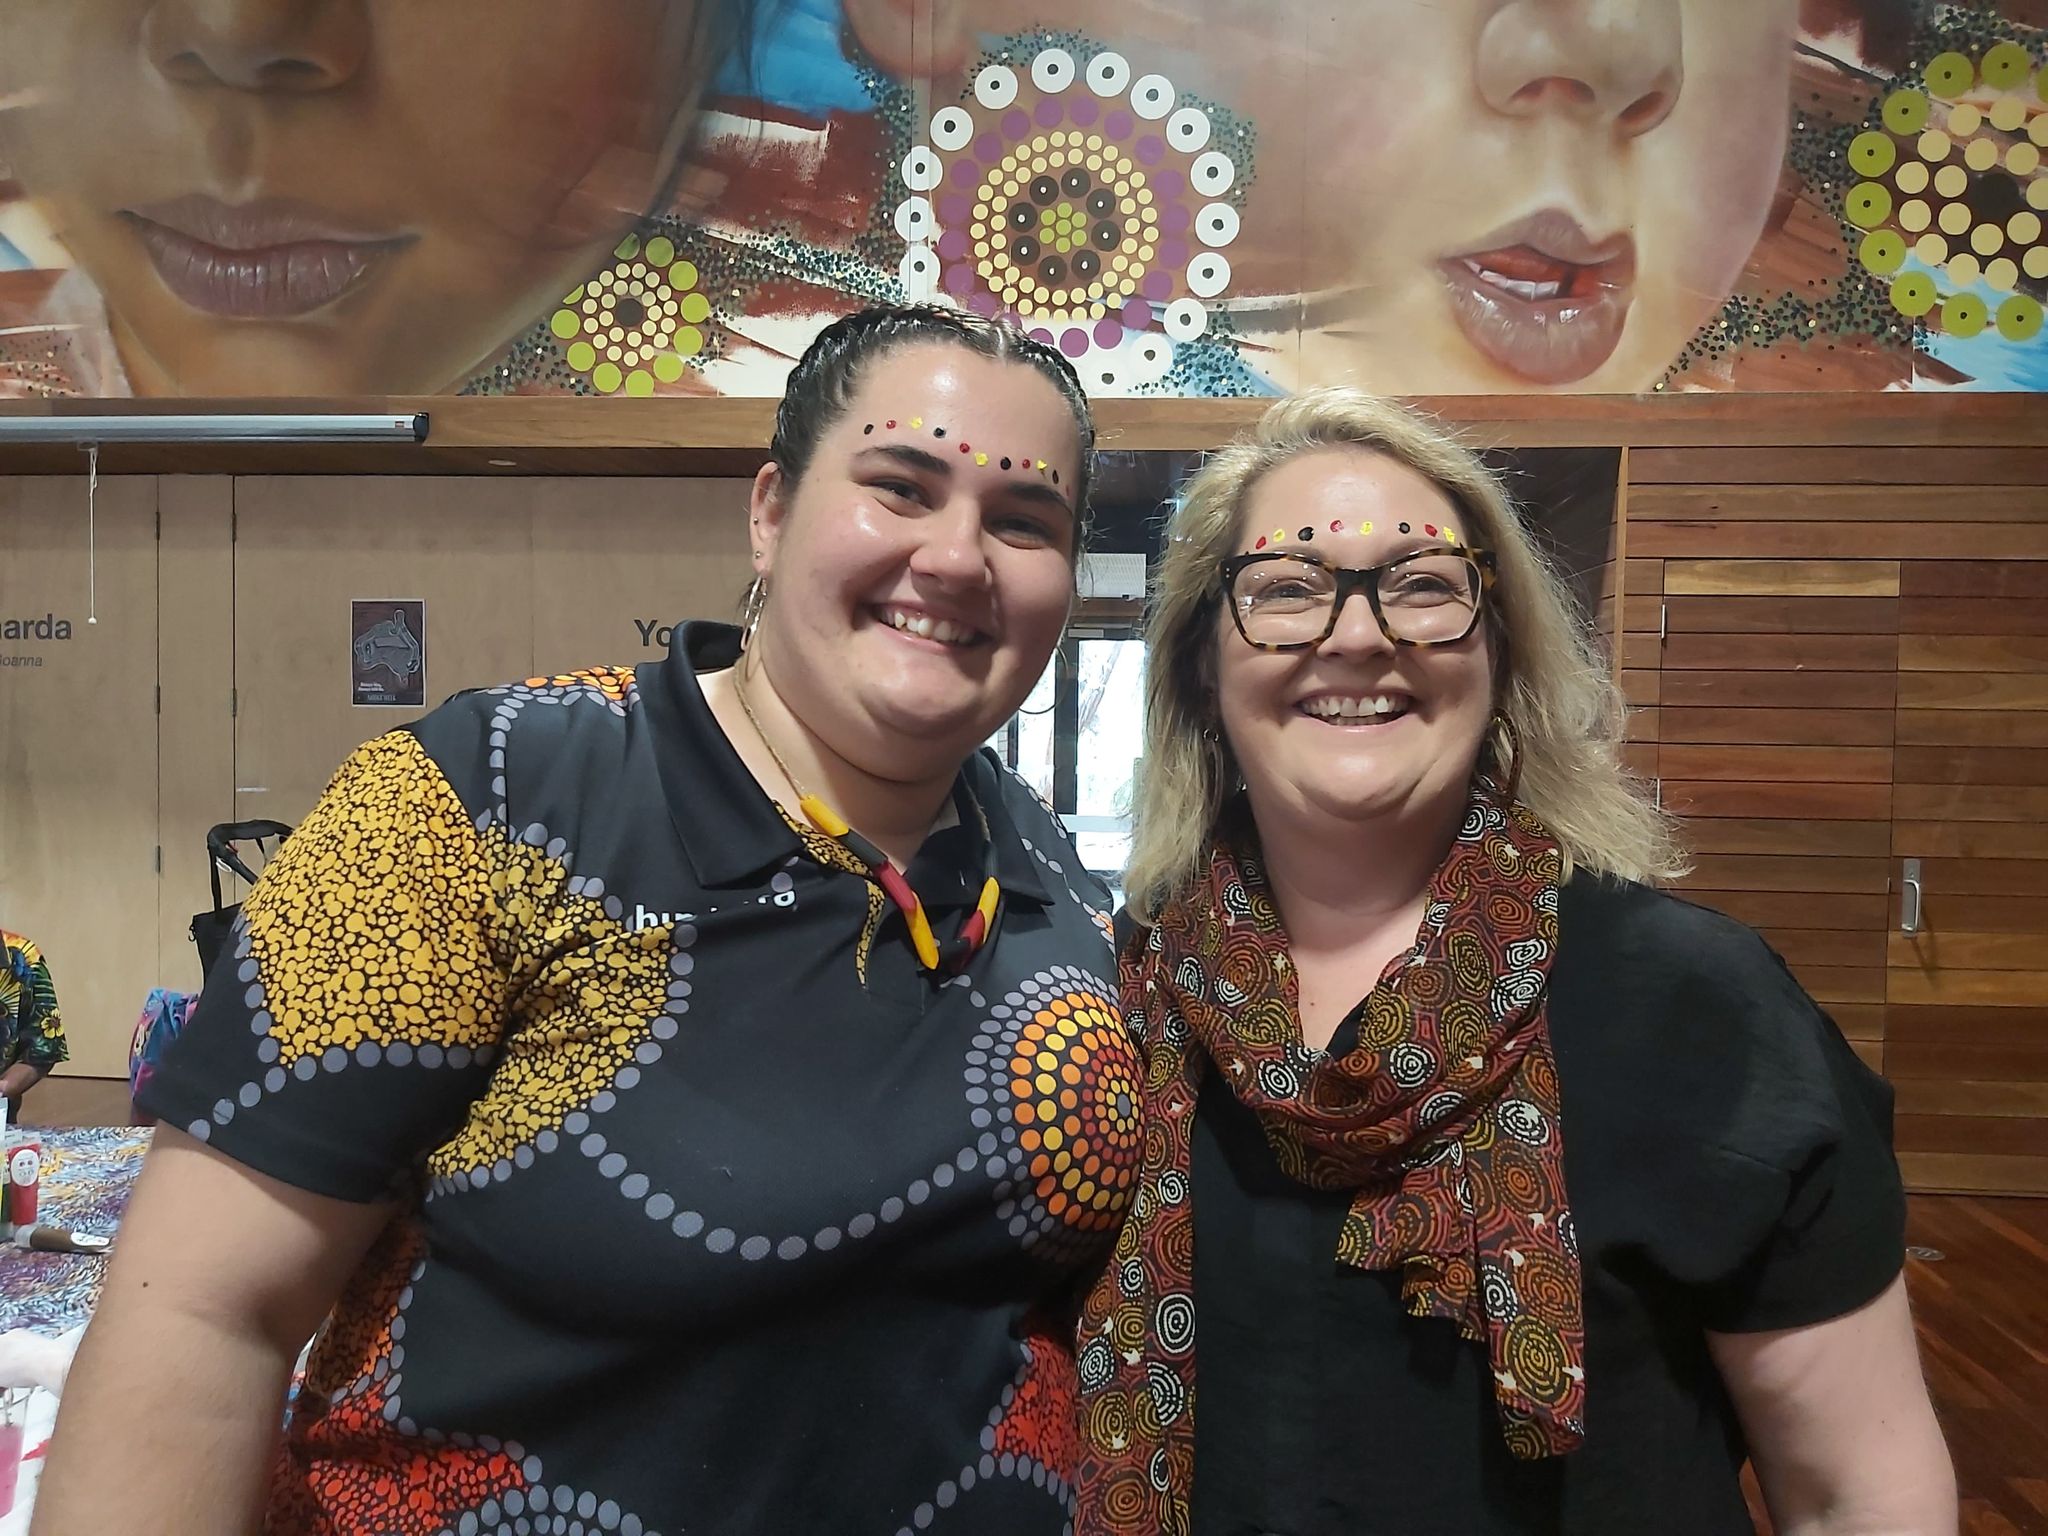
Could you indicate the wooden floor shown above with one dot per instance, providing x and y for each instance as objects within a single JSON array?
[
  {"x": 1981, "y": 1308},
  {"x": 77, "y": 1101},
  {"x": 1982, "y": 1312}
]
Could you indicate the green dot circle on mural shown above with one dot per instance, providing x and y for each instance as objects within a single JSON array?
[
  {"x": 627, "y": 248},
  {"x": 1872, "y": 153},
  {"x": 668, "y": 367},
  {"x": 696, "y": 308},
  {"x": 2019, "y": 318},
  {"x": 1964, "y": 314},
  {"x": 564, "y": 324},
  {"x": 606, "y": 378},
  {"x": 1868, "y": 205},
  {"x": 581, "y": 356},
  {"x": 1906, "y": 111},
  {"x": 639, "y": 383},
  {"x": 1883, "y": 251},
  {"x": 1948, "y": 75},
  {"x": 2005, "y": 66},
  {"x": 660, "y": 251},
  {"x": 1913, "y": 294}
]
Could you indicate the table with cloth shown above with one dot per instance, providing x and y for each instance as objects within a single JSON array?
[{"x": 46, "y": 1299}]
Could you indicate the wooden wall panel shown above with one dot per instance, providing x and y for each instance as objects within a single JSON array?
[
  {"x": 1974, "y": 579},
  {"x": 1826, "y": 765},
  {"x": 1845, "y": 664},
  {"x": 1828, "y": 802},
  {"x": 1779, "y": 467},
  {"x": 1849, "y": 911},
  {"x": 519, "y": 576},
  {"x": 1967, "y": 996},
  {"x": 610, "y": 556},
  {"x": 1973, "y": 691},
  {"x": 1972, "y": 765},
  {"x": 1738, "y": 834},
  {"x": 1775, "y": 872},
  {"x": 1973, "y": 616},
  {"x": 1778, "y": 727},
  {"x": 1791, "y": 503},
  {"x": 1778, "y": 690},
  {"x": 1967, "y": 840},
  {"x": 1782, "y": 578},
  {"x": 1763, "y": 653},
  {"x": 1824, "y": 541},
  {"x": 1966, "y": 728},
  {"x": 1777, "y": 615},
  {"x": 78, "y": 751},
  {"x": 1973, "y": 653},
  {"x": 196, "y": 673},
  {"x": 305, "y": 548},
  {"x": 105, "y": 802},
  {"x": 1971, "y": 802}
]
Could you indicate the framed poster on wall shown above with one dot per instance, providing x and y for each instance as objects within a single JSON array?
[{"x": 387, "y": 657}]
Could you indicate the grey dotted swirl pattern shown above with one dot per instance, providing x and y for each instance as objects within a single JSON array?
[
  {"x": 585, "y": 1132},
  {"x": 519, "y": 1512},
  {"x": 1024, "y": 1469}
]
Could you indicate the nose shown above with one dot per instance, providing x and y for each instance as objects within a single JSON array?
[
  {"x": 951, "y": 550},
  {"x": 290, "y": 46},
  {"x": 1355, "y": 632},
  {"x": 1618, "y": 63}
]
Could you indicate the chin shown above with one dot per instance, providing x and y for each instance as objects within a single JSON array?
[{"x": 918, "y": 718}]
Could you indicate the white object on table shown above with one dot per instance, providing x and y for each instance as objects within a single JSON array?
[{"x": 17, "y": 1351}]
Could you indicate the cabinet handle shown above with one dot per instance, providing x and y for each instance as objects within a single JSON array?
[{"x": 1909, "y": 897}]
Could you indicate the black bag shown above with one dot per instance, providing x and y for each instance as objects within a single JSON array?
[{"x": 210, "y": 929}]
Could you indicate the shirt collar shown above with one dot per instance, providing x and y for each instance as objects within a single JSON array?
[{"x": 730, "y": 831}]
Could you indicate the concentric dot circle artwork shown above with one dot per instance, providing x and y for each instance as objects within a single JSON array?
[
  {"x": 636, "y": 324},
  {"x": 1083, "y": 198},
  {"x": 1946, "y": 206}
]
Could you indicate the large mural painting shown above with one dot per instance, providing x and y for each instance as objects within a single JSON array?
[{"x": 1195, "y": 197}]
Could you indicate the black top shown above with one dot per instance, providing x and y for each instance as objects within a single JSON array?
[
  {"x": 699, "y": 1231},
  {"x": 1729, "y": 1167}
]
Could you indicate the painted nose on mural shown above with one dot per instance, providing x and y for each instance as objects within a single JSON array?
[
  {"x": 1620, "y": 62},
  {"x": 291, "y": 46}
]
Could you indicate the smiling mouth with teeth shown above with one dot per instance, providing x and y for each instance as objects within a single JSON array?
[
  {"x": 1365, "y": 709},
  {"x": 925, "y": 627}
]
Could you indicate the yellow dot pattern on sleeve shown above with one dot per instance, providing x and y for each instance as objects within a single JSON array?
[
  {"x": 596, "y": 1000},
  {"x": 371, "y": 926}
]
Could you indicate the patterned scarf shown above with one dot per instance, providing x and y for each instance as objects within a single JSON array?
[{"x": 1443, "y": 1119}]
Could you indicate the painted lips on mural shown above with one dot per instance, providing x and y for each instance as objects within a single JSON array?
[{"x": 1212, "y": 197}]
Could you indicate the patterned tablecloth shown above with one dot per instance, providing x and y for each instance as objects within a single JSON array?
[{"x": 87, "y": 1174}]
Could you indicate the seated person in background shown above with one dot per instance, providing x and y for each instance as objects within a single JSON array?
[{"x": 31, "y": 1031}]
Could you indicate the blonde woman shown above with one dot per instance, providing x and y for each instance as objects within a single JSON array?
[{"x": 1494, "y": 1190}]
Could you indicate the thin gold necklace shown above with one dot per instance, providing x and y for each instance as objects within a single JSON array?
[{"x": 976, "y": 928}]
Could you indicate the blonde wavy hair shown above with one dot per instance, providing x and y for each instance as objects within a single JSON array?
[{"x": 1551, "y": 681}]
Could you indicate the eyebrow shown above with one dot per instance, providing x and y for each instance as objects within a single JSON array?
[{"x": 1033, "y": 490}]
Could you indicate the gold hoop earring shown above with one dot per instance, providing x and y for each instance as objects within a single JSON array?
[
  {"x": 751, "y": 607},
  {"x": 1504, "y": 752}
]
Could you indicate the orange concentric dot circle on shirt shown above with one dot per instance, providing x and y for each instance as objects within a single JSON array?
[{"x": 1075, "y": 1095}]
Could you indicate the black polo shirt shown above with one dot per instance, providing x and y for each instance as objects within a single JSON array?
[{"x": 717, "y": 1213}]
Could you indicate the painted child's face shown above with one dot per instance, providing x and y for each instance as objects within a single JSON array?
[{"x": 1476, "y": 195}]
